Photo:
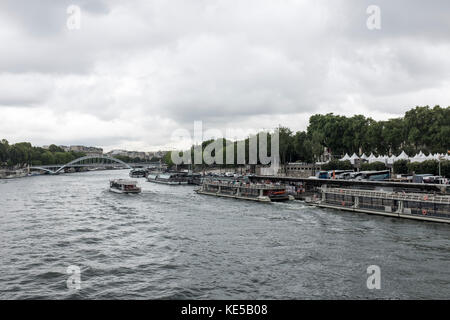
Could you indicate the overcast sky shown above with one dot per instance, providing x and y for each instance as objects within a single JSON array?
[{"x": 135, "y": 71}]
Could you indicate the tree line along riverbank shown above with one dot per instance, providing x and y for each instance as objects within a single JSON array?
[
  {"x": 423, "y": 129},
  {"x": 420, "y": 129}
]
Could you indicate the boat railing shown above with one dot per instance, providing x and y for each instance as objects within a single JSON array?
[
  {"x": 417, "y": 197},
  {"x": 247, "y": 186}
]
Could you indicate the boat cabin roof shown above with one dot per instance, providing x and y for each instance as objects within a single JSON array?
[
  {"x": 245, "y": 185},
  {"x": 125, "y": 182}
]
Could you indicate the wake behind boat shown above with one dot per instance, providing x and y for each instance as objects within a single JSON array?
[{"x": 124, "y": 186}]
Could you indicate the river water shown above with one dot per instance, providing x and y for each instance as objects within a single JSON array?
[{"x": 170, "y": 243}]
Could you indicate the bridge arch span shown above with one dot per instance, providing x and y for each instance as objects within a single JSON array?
[
  {"x": 42, "y": 169},
  {"x": 99, "y": 156}
]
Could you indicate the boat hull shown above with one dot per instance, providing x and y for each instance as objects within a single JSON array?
[
  {"x": 173, "y": 183},
  {"x": 409, "y": 205},
  {"x": 381, "y": 213},
  {"x": 137, "y": 175},
  {"x": 124, "y": 192},
  {"x": 258, "y": 199}
]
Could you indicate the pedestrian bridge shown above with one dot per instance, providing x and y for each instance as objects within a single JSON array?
[{"x": 93, "y": 161}]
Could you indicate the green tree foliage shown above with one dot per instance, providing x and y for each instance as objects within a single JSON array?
[
  {"x": 287, "y": 146},
  {"x": 374, "y": 166},
  {"x": 4, "y": 151},
  {"x": 393, "y": 137},
  {"x": 23, "y": 153},
  {"x": 401, "y": 167},
  {"x": 426, "y": 167},
  {"x": 428, "y": 128},
  {"x": 127, "y": 159},
  {"x": 54, "y": 148},
  {"x": 167, "y": 159},
  {"x": 445, "y": 168},
  {"x": 429, "y": 166},
  {"x": 303, "y": 150},
  {"x": 337, "y": 165},
  {"x": 422, "y": 128}
]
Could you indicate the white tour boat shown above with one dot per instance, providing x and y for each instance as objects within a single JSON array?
[{"x": 124, "y": 186}]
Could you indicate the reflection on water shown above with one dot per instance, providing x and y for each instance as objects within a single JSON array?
[{"x": 169, "y": 242}]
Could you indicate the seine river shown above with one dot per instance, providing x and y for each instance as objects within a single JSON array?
[{"x": 170, "y": 243}]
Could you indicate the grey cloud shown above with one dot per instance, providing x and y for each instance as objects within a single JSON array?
[
  {"x": 174, "y": 62},
  {"x": 47, "y": 17}
]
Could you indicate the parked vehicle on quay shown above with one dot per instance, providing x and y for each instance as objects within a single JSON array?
[
  {"x": 322, "y": 175},
  {"x": 418, "y": 178},
  {"x": 351, "y": 175},
  {"x": 340, "y": 174},
  {"x": 374, "y": 175},
  {"x": 435, "y": 179}
]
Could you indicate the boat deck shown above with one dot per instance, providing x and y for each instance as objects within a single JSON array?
[
  {"x": 224, "y": 195},
  {"x": 256, "y": 186},
  {"x": 245, "y": 191},
  {"x": 416, "y": 197},
  {"x": 419, "y": 206}
]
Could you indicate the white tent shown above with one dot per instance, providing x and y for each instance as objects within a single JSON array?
[
  {"x": 364, "y": 157},
  {"x": 402, "y": 156},
  {"x": 391, "y": 159},
  {"x": 418, "y": 157},
  {"x": 437, "y": 156},
  {"x": 381, "y": 158},
  {"x": 372, "y": 158},
  {"x": 353, "y": 158},
  {"x": 346, "y": 157}
]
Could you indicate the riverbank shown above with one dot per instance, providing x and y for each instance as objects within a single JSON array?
[
  {"x": 13, "y": 173},
  {"x": 24, "y": 172}
]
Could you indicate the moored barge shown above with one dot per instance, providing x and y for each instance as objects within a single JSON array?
[
  {"x": 168, "y": 178},
  {"x": 245, "y": 191},
  {"x": 138, "y": 173},
  {"x": 419, "y": 206}
]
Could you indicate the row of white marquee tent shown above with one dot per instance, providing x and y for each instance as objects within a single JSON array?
[{"x": 420, "y": 157}]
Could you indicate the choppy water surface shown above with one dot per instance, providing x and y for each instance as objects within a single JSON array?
[{"x": 171, "y": 243}]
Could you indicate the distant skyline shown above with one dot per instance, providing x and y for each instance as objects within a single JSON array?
[{"x": 136, "y": 71}]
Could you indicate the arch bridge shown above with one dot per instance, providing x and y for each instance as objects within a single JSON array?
[{"x": 86, "y": 161}]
